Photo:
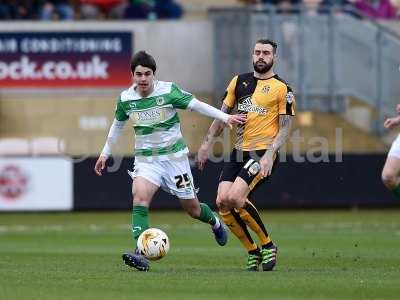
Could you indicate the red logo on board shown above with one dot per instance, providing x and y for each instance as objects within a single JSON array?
[{"x": 13, "y": 182}]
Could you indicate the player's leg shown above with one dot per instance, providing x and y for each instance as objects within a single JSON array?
[
  {"x": 178, "y": 180},
  {"x": 143, "y": 191},
  {"x": 145, "y": 184},
  {"x": 251, "y": 217},
  {"x": 390, "y": 175},
  {"x": 247, "y": 211},
  {"x": 197, "y": 210},
  {"x": 237, "y": 226},
  {"x": 203, "y": 213},
  {"x": 231, "y": 217},
  {"x": 248, "y": 178},
  {"x": 391, "y": 169}
]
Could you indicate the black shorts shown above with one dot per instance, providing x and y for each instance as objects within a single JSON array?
[{"x": 244, "y": 164}]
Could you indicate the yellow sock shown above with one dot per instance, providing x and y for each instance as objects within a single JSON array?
[
  {"x": 238, "y": 228},
  {"x": 251, "y": 217}
]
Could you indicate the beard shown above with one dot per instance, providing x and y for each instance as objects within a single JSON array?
[{"x": 262, "y": 68}]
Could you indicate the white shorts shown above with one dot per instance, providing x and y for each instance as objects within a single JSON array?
[
  {"x": 173, "y": 176},
  {"x": 395, "y": 149}
]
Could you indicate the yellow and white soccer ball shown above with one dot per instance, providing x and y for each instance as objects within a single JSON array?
[{"x": 153, "y": 243}]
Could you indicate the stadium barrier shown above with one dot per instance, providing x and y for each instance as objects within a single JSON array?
[
  {"x": 354, "y": 182},
  {"x": 36, "y": 184},
  {"x": 47, "y": 184}
]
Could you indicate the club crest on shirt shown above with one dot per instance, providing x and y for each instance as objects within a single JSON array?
[
  {"x": 289, "y": 97},
  {"x": 245, "y": 84},
  {"x": 265, "y": 89},
  {"x": 160, "y": 100},
  {"x": 132, "y": 105}
]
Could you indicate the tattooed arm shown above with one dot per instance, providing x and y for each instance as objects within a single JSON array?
[
  {"x": 267, "y": 161},
  {"x": 285, "y": 122},
  {"x": 216, "y": 127},
  {"x": 214, "y": 131}
]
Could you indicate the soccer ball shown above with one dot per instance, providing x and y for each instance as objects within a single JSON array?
[{"x": 153, "y": 243}]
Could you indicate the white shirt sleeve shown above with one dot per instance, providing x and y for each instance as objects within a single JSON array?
[
  {"x": 113, "y": 135},
  {"x": 207, "y": 110}
]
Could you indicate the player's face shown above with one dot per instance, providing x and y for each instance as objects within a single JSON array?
[
  {"x": 263, "y": 58},
  {"x": 144, "y": 78}
]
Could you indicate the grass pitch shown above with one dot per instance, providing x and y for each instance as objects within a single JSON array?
[{"x": 322, "y": 255}]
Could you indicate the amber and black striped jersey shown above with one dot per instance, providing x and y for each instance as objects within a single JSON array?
[{"x": 262, "y": 100}]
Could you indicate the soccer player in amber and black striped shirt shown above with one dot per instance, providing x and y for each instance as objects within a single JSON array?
[{"x": 269, "y": 105}]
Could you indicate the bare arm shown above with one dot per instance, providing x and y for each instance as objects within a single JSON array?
[
  {"x": 267, "y": 161},
  {"x": 214, "y": 131},
  {"x": 285, "y": 122},
  {"x": 216, "y": 128}
]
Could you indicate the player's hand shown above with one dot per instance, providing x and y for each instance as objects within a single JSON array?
[
  {"x": 236, "y": 119},
  {"x": 100, "y": 165},
  {"x": 202, "y": 157},
  {"x": 398, "y": 108},
  {"x": 391, "y": 122},
  {"x": 266, "y": 163}
]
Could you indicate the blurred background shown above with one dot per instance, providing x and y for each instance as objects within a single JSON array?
[{"x": 63, "y": 65}]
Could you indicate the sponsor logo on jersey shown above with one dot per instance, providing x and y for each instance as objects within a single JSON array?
[
  {"x": 247, "y": 105},
  {"x": 289, "y": 97},
  {"x": 147, "y": 115},
  {"x": 132, "y": 105}
]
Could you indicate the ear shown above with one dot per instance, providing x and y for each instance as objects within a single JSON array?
[{"x": 395, "y": 3}]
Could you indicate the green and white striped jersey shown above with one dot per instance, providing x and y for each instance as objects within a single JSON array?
[{"x": 155, "y": 119}]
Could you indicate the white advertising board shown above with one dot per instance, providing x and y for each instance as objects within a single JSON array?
[{"x": 36, "y": 183}]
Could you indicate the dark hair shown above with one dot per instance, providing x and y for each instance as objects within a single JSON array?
[
  {"x": 143, "y": 59},
  {"x": 268, "y": 41}
]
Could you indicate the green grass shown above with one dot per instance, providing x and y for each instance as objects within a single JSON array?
[{"x": 322, "y": 255}]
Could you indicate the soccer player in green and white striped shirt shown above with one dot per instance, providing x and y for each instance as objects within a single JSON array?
[{"x": 160, "y": 150}]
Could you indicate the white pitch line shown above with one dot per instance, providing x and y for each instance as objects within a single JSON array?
[{"x": 19, "y": 228}]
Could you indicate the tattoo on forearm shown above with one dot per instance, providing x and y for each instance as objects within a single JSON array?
[
  {"x": 226, "y": 109},
  {"x": 285, "y": 122},
  {"x": 211, "y": 133},
  {"x": 217, "y": 126}
]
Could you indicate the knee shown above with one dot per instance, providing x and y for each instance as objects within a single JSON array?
[
  {"x": 223, "y": 202},
  {"x": 390, "y": 180},
  {"x": 222, "y": 205},
  {"x": 140, "y": 200},
  {"x": 235, "y": 200},
  {"x": 229, "y": 201}
]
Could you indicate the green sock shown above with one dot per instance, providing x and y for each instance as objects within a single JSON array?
[
  {"x": 396, "y": 191},
  {"x": 140, "y": 220},
  {"x": 206, "y": 214}
]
